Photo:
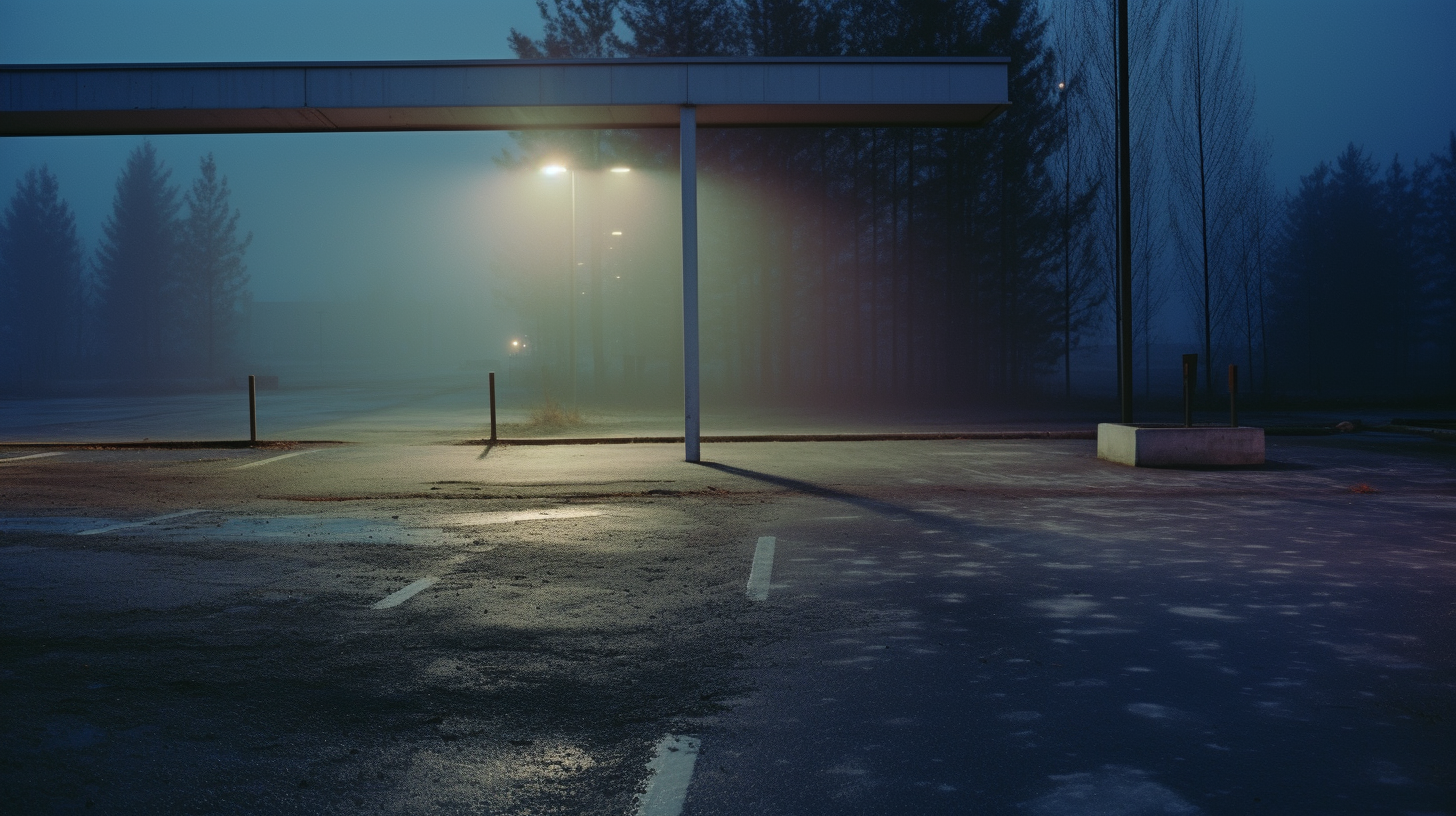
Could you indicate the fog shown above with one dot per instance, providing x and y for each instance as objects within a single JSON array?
[{"x": 840, "y": 269}]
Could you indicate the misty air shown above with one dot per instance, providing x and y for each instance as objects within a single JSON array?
[{"x": 678, "y": 407}]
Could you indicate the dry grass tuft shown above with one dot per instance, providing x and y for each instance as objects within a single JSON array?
[{"x": 552, "y": 417}]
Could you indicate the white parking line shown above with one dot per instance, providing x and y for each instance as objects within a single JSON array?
[
  {"x": 672, "y": 770},
  {"x": 261, "y": 462},
  {"x": 9, "y": 459},
  {"x": 762, "y": 570},
  {"x": 405, "y": 594},
  {"x": 139, "y": 523}
]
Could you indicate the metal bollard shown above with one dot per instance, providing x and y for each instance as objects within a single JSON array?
[
  {"x": 1233, "y": 396},
  {"x": 492, "y": 406},
  {"x": 1190, "y": 378},
  {"x": 252, "y": 408}
]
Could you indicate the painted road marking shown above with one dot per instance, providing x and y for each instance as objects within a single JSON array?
[
  {"x": 672, "y": 770},
  {"x": 262, "y": 462},
  {"x": 405, "y": 594},
  {"x": 758, "y": 576},
  {"x": 512, "y": 516},
  {"x": 9, "y": 459},
  {"x": 139, "y": 523}
]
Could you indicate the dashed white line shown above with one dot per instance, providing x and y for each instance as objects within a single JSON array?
[
  {"x": 10, "y": 459},
  {"x": 261, "y": 462},
  {"x": 141, "y": 523},
  {"x": 397, "y": 598},
  {"x": 672, "y": 771},
  {"x": 762, "y": 570}
]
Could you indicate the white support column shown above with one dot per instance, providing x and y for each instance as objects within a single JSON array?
[{"x": 688, "y": 131}]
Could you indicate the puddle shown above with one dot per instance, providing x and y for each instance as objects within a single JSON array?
[
  {"x": 322, "y": 529},
  {"x": 59, "y": 525},
  {"x": 514, "y": 516}
]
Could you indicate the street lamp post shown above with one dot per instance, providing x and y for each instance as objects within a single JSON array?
[
  {"x": 571, "y": 277},
  {"x": 1066, "y": 243},
  {"x": 556, "y": 170},
  {"x": 1124, "y": 220}
]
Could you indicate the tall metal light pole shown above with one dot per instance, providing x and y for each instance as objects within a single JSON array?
[
  {"x": 556, "y": 170},
  {"x": 1066, "y": 243},
  {"x": 1124, "y": 221}
]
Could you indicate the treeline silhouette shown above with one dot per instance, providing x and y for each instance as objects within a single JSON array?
[
  {"x": 160, "y": 303},
  {"x": 877, "y": 261},
  {"x": 1363, "y": 283},
  {"x": 916, "y": 264},
  {"x": 954, "y": 264}
]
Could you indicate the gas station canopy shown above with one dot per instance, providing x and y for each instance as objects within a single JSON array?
[
  {"x": 59, "y": 100},
  {"x": 81, "y": 100}
]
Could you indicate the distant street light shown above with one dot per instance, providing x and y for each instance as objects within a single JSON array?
[
  {"x": 556, "y": 170},
  {"x": 1066, "y": 243}
]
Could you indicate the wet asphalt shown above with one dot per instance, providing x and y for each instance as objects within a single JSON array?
[{"x": 944, "y": 627}]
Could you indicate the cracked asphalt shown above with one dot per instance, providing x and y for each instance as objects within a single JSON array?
[{"x": 950, "y": 627}]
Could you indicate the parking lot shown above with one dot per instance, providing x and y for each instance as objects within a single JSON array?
[{"x": 795, "y": 628}]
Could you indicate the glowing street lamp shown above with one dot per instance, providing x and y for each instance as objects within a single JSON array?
[{"x": 556, "y": 169}]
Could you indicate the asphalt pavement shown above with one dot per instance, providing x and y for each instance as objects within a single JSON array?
[{"x": 997, "y": 627}]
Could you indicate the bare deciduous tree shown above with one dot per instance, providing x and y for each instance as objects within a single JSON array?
[
  {"x": 1097, "y": 34},
  {"x": 1080, "y": 186},
  {"x": 1210, "y": 116}
]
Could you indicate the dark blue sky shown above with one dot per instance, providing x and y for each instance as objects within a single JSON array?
[{"x": 328, "y": 208}]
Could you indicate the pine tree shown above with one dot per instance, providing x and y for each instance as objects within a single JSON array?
[
  {"x": 578, "y": 29},
  {"x": 1022, "y": 245},
  {"x": 212, "y": 279},
  {"x": 790, "y": 28},
  {"x": 40, "y": 271},
  {"x": 1343, "y": 289},
  {"x": 1438, "y": 236},
  {"x": 1401, "y": 207},
  {"x": 681, "y": 28},
  {"x": 135, "y": 265}
]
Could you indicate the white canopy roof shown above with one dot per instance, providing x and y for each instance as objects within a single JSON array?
[{"x": 498, "y": 95}]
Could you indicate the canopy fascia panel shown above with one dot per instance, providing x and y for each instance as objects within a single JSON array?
[{"x": 53, "y": 100}]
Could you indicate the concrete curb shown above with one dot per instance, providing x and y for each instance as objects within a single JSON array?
[{"x": 846, "y": 437}]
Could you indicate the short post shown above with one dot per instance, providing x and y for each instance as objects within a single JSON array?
[
  {"x": 1233, "y": 396},
  {"x": 252, "y": 408},
  {"x": 492, "y": 406},
  {"x": 1190, "y": 377}
]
